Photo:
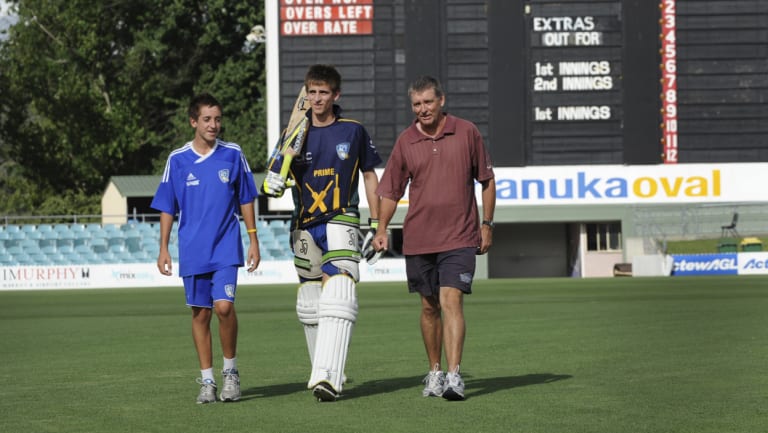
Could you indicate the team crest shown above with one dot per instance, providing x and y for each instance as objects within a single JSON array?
[
  {"x": 342, "y": 149},
  {"x": 224, "y": 175},
  {"x": 229, "y": 289}
]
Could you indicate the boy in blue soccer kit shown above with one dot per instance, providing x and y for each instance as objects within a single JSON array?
[
  {"x": 325, "y": 226},
  {"x": 207, "y": 182}
]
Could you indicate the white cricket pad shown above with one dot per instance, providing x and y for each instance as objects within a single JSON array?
[
  {"x": 307, "y": 301},
  {"x": 337, "y": 315}
]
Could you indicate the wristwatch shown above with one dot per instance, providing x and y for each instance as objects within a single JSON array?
[{"x": 489, "y": 224}]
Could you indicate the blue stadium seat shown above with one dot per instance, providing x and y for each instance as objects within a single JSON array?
[
  {"x": 75, "y": 258},
  {"x": 82, "y": 238},
  {"x": 29, "y": 245},
  {"x": 14, "y": 250},
  {"x": 15, "y": 238},
  {"x": 133, "y": 244},
  {"x": 279, "y": 226},
  {"x": 39, "y": 258},
  {"x": 266, "y": 235},
  {"x": 116, "y": 238},
  {"x": 6, "y": 259},
  {"x": 99, "y": 245},
  {"x": 99, "y": 233},
  {"x": 61, "y": 228},
  {"x": 141, "y": 256},
  {"x": 33, "y": 234},
  {"x": 283, "y": 239},
  {"x": 174, "y": 250},
  {"x": 49, "y": 249},
  {"x": 66, "y": 239},
  {"x": 83, "y": 249},
  {"x": 64, "y": 249},
  {"x": 93, "y": 227},
  {"x": 47, "y": 235},
  {"x": 59, "y": 259},
  {"x": 24, "y": 259}
]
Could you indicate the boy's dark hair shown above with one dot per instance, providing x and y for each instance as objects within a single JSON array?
[
  {"x": 426, "y": 82},
  {"x": 323, "y": 74},
  {"x": 199, "y": 101}
]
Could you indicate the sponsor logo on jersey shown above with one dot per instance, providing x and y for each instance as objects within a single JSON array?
[
  {"x": 342, "y": 150},
  {"x": 192, "y": 180},
  {"x": 224, "y": 175}
]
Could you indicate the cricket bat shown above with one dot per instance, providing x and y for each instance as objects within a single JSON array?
[{"x": 293, "y": 137}]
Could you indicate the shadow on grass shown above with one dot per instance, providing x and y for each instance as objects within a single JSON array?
[
  {"x": 474, "y": 387},
  {"x": 478, "y": 387},
  {"x": 382, "y": 386},
  {"x": 273, "y": 390}
]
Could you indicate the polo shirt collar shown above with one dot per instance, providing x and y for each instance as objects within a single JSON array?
[{"x": 414, "y": 135}]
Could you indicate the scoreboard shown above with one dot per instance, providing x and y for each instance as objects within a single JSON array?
[
  {"x": 574, "y": 80},
  {"x": 550, "y": 82}
]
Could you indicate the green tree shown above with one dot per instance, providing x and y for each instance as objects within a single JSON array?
[{"x": 96, "y": 89}]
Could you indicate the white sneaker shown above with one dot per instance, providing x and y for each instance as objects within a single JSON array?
[
  {"x": 454, "y": 387},
  {"x": 207, "y": 391},
  {"x": 434, "y": 381},
  {"x": 231, "y": 389}
]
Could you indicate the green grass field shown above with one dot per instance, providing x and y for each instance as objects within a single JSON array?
[{"x": 547, "y": 355}]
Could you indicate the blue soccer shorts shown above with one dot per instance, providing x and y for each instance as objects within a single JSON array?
[{"x": 203, "y": 290}]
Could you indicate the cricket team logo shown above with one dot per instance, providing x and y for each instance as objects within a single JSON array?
[
  {"x": 224, "y": 175},
  {"x": 342, "y": 150}
]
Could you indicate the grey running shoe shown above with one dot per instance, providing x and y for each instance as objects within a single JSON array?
[
  {"x": 434, "y": 381},
  {"x": 207, "y": 391},
  {"x": 324, "y": 392},
  {"x": 454, "y": 387},
  {"x": 231, "y": 389}
]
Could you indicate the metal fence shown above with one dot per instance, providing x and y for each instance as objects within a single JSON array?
[{"x": 657, "y": 225}]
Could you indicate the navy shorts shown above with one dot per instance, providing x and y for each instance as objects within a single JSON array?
[
  {"x": 428, "y": 272},
  {"x": 203, "y": 290}
]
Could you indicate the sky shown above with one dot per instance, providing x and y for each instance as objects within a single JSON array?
[{"x": 5, "y": 20}]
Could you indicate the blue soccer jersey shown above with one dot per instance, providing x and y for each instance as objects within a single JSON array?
[
  {"x": 206, "y": 191},
  {"x": 327, "y": 172}
]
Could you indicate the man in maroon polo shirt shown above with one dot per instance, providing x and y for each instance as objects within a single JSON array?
[{"x": 439, "y": 158}]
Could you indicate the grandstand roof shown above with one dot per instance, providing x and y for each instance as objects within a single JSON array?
[
  {"x": 136, "y": 186},
  {"x": 146, "y": 185}
]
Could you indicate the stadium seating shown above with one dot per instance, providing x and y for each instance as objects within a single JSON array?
[{"x": 134, "y": 242}]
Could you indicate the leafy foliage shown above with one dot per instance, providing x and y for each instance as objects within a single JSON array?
[{"x": 96, "y": 89}]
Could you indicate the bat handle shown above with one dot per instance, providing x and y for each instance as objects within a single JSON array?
[{"x": 287, "y": 158}]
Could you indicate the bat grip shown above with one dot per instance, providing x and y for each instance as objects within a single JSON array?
[{"x": 287, "y": 158}]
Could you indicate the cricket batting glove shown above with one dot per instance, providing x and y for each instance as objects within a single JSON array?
[
  {"x": 274, "y": 184},
  {"x": 366, "y": 250}
]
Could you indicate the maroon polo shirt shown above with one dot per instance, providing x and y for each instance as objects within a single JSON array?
[{"x": 442, "y": 211}]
